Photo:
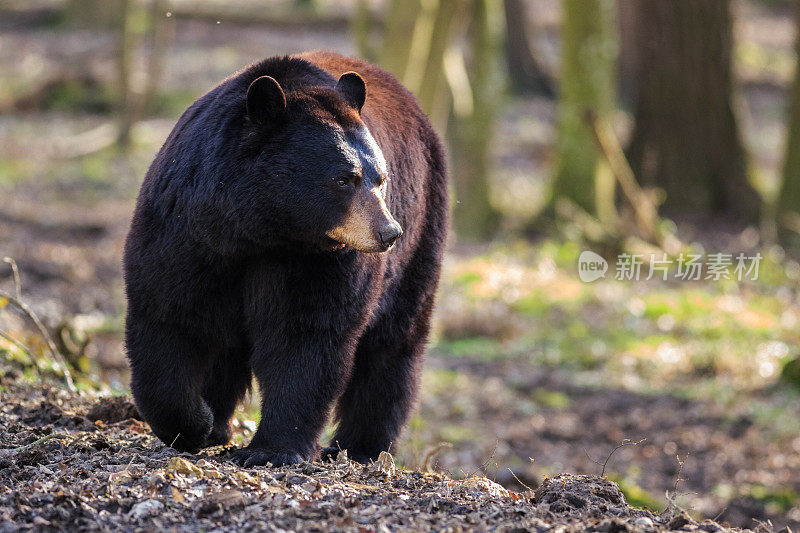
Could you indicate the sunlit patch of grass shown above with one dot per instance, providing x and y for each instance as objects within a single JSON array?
[
  {"x": 777, "y": 413},
  {"x": 525, "y": 301},
  {"x": 440, "y": 379},
  {"x": 13, "y": 169},
  {"x": 28, "y": 353},
  {"x": 635, "y": 495},
  {"x": 479, "y": 347},
  {"x": 790, "y": 372},
  {"x": 783, "y": 499},
  {"x": 554, "y": 399},
  {"x": 455, "y": 433},
  {"x": 466, "y": 278},
  {"x": 533, "y": 306},
  {"x": 775, "y": 501}
]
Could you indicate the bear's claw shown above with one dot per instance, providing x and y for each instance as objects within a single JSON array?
[
  {"x": 330, "y": 453},
  {"x": 219, "y": 436},
  {"x": 248, "y": 457}
]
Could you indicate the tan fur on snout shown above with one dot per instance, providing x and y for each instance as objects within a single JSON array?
[{"x": 358, "y": 230}]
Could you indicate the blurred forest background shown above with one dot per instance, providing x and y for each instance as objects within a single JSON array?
[{"x": 618, "y": 126}]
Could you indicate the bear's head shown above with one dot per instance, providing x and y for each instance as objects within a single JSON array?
[{"x": 319, "y": 169}]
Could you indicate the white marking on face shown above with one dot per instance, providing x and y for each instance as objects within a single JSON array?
[
  {"x": 350, "y": 152},
  {"x": 368, "y": 210},
  {"x": 374, "y": 155}
]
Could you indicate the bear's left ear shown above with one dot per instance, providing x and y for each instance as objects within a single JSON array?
[
  {"x": 352, "y": 87},
  {"x": 266, "y": 103}
]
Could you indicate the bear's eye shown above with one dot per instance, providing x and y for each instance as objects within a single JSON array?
[{"x": 342, "y": 182}]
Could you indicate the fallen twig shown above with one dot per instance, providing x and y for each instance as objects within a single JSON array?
[
  {"x": 644, "y": 207},
  {"x": 678, "y": 477},
  {"x": 519, "y": 481},
  {"x": 672, "y": 497},
  {"x": 607, "y": 142},
  {"x": 429, "y": 456},
  {"x": 37, "y": 442},
  {"x": 15, "y": 272},
  {"x": 17, "y": 302}
]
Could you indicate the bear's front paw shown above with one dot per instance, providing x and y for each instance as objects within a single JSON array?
[
  {"x": 219, "y": 436},
  {"x": 329, "y": 454},
  {"x": 332, "y": 452},
  {"x": 248, "y": 457}
]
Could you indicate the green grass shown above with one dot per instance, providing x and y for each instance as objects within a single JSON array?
[
  {"x": 636, "y": 496},
  {"x": 666, "y": 330}
]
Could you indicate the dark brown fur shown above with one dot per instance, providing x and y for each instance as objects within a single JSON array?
[{"x": 229, "y": 274}]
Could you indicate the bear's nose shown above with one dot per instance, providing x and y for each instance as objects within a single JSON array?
[{"x": 389, "y": 234}]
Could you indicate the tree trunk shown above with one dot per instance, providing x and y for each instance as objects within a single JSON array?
[
  {"x": 401, "y": 16},
  {"x": 524, "y": 71},
  {"x": 686, "y": 139},
  {"x": 474, "y": 217},
  {"x": 432, "y": 37},
  {"x": 421, "y": 39},
  {"x": 589, "y": 51},
  {"x": 160, "y": 32},
  {"x": 125, "y": 103},
  {"x": 789, "y": 199},
  {"x": 628, "y": 51},
  {"x": 93, "y": 14},
  {"x": 360, "y": 25}
]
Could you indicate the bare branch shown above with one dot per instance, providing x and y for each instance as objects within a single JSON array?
[
  {"x": 518, "y": 480},
  {"x": 678, "y": 477},
  {"x": 14, "y": 341},
  {"x": 426, "y": 467},
  {"x": 626, "y": 442},
  {"x": 15, "y": 272},
  {"x": 22, "y": 306},
  {"x": 604, "y": 464}
]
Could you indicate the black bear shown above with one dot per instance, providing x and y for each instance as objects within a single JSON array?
[{"x": 292, "y": 228}]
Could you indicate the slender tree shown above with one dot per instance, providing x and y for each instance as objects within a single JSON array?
[
  {"x": 126, "y": 99},
  {"x": 524, "y": 71},
  {"x": 589, "y": 50},
  {"x": 457, "y": 84},
  {"x": 401, "y": 16},
  {"x": 789, "y": 199},
  {"x": 686, "y": 139},
  {"x": 93, "y": 13},
  {"x": 160, "y": 32},
  {"x": 473, "y": 214}
]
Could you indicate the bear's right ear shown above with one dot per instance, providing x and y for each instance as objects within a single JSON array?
[
  {"x": 266, "y": 103},
  {"x": 353, "y": 88}
]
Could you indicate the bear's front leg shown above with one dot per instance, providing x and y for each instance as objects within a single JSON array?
[
  {"x": 299, "y": 373},
  {"x": 304, "y": 316}
]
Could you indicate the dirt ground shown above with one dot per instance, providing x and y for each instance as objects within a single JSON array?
[
  {"x": 501, "y": 411},
  {"x": 70, "y": 462},
  {"x": 720, "y": 447}
]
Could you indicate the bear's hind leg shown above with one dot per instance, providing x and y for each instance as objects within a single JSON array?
[
  {"x": 225, "y": 385},
  {"x": 382, "y": 387},
  {"x": 167, "y": 370}
]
